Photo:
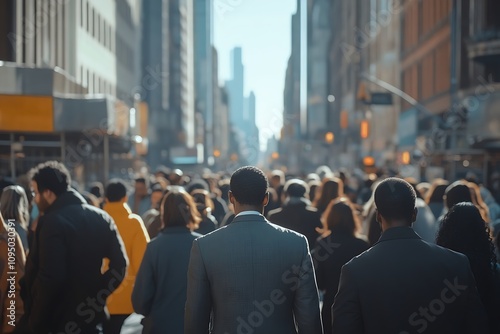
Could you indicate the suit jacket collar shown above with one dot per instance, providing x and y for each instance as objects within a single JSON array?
[
  {"x": 249, "y": 218},
  {"x": 394, "y": 233}
]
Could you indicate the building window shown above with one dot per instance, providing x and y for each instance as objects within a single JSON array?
[
  {"x": 104, "y": 33},
  {"x": 87, "y": 13}
]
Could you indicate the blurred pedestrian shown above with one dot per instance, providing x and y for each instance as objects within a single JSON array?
[
  {"x": 140, "y": 200},
  {"x": 64, "y": 286},
  {"x": 14, "y": 206},
  {"x": 335, "y": 250},
  {"x": 297, "y": 214},
  {"x": 464, "y": 230},
  {"x": 435, "y": 197},
  {"x": 330, "y": 189},
  {"x": 204, "y": 205},
  {"x": 160, "y": 288},
  {"x": 135, "y": 239}
]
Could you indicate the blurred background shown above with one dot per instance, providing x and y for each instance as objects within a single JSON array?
[{"x": 113, "y": 87}]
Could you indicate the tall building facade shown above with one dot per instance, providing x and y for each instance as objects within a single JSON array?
[
  {"x": 204, "y": 74},
  {"x": 168, "y": 62},
  {"x": 294, "y": 129},
  {"x": 63, "y": 50},
  {"x": 455, "y": 75},
  {"x": 242, "y": 112}
]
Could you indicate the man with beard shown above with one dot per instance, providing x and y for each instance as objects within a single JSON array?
[{"x": 64, "y": 289}]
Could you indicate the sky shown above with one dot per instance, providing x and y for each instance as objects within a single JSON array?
[{"x": 262, "y": 28}]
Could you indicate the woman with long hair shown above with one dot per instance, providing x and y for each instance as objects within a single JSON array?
[
  {"x": 14, "y": 206},
  {"x": 330, "y": 189},
  {"x": 161, "y": 283},
  {"x": 205, "y": 207},
  {"x": 464, "y": 230},
  {"x": 435, "y": 197},
  {"x": 343, "y": 227}
]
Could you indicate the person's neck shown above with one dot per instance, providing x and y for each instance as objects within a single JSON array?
[
  {"x": 386, "y": 225},
  {"x": 244, "y": 207}
]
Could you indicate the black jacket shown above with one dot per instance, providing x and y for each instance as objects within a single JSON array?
[
  {"x": 299, "y": 216},
  {"x": 329, "y": 255},
  {"x": 64, "y": 288},
  {"x": 406, "y": 285}
]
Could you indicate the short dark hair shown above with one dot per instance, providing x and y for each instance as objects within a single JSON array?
[
  {"x": 457, "y": 192},
  {"x": 142, "y": 180},
  {"x": 395, "y": 199},
  {"x": 51, "y": 175},
  {"x": 249, "y": 185},
  {"x": 96, "y": 189},
  {"x": 116, "y": 190},
  {"x": 296, "y": 188}
]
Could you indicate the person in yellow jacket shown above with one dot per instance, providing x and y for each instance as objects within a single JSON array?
[{"x": 135, "y": 239}]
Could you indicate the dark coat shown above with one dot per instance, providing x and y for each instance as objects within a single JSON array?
[
  {"x": 64, "y": 287},
  {"x": 329, "y": 255},
  {"x": 256, "y": 277},
  {"x": 299, "y": 216},
  {"x": 161, "y": 283},
  {"x": 406, "y": 285}
]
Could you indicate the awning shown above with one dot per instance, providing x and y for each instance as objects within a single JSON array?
[{"x": 48, "y": 100}]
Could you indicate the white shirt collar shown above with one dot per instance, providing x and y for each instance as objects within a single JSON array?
[{"x": 250, "y": 212}]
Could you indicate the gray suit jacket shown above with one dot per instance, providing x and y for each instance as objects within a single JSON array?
[
  {"x": 406, "y": 285},
  {"x": 256, "y": 277}
]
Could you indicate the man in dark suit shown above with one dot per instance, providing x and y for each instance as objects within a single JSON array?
[
  {"x": 256, "y": 277},
  {"x": 64, "y": 290},
  {"x": 297, "y": 214},
  {"x": 404, "y": 284}
]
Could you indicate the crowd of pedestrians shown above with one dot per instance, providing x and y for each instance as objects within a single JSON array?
[{"x": 249, "y": 252}]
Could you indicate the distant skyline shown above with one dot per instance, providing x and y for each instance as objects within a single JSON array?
[{"x": 263, "y": 30}]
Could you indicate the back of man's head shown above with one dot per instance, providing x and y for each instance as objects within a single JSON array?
[
  {"x": 115, "y": 190},
  {"x": 249, "y": 185},
  {"x": 395, "y": 200},
  {"x": 296, "y": 188},
  {"x": 51, "y": 175},
  {"x": 457, "y": 192}
]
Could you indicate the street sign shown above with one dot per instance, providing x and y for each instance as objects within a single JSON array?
[{"x": 381, "y": 99}]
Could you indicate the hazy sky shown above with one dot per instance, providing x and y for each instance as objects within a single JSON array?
[{"x": 263, "y": 30}]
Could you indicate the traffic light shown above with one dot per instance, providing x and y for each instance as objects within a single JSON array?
[
  {"x": 329, "y": 137},
  {"x": 406, "y": 158},
  {"x": 344, "y": 119},
  {"x": 365, "y": 129}
]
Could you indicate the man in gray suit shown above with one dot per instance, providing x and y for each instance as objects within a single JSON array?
[
  {"x": 251, "y": 276},
  {"x": 404, "y": 284}
]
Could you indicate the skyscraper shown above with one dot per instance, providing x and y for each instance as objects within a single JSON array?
[{"x": 168, "y": 79}]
